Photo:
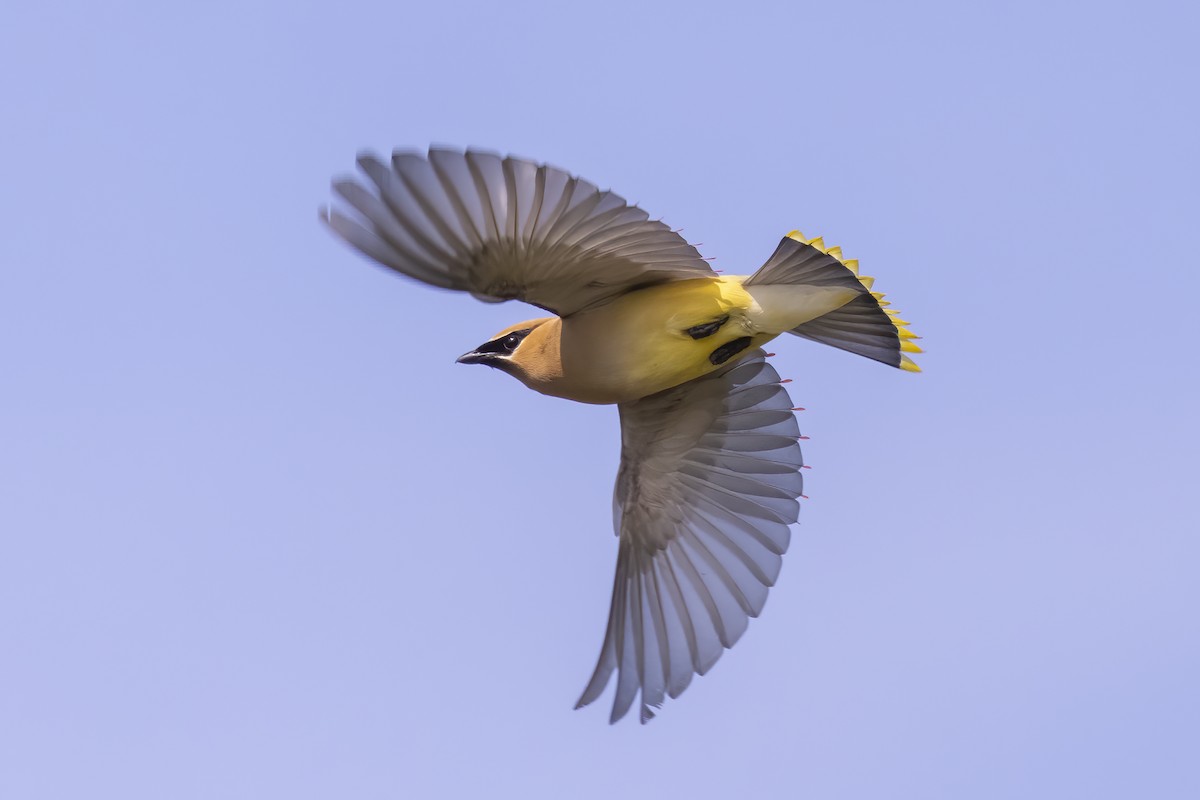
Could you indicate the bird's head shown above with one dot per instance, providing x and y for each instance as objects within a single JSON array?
[{"x": 527, "y": 350}]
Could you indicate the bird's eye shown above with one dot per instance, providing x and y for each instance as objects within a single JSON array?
[{"x": 511, "y": 341}]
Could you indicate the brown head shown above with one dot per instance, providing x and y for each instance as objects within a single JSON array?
[{"x": 529, "y": 351}]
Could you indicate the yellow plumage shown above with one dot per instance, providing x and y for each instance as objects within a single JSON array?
[{"x": 638, "y": 345}]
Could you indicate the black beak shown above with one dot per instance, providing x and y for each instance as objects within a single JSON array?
[{"x": 474, "y": 357}]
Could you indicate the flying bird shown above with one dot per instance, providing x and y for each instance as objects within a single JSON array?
[{"x": 709, "y": 479}]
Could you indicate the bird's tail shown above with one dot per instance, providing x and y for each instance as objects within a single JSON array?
[{"x": 865, "y": 325}]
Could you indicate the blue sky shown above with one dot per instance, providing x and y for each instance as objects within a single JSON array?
[{"x": 261, "y": 537}]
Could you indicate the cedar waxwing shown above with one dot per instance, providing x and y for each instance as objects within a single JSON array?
[{"x": 709, "y": 478}]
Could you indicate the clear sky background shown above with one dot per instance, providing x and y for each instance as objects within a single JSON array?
[{"x": 260, "y": 537}]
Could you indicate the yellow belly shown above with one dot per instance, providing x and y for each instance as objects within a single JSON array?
[{"x": 639, "y": 344}]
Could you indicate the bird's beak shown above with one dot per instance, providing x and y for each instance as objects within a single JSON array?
[{"x": 472, "y": 358}]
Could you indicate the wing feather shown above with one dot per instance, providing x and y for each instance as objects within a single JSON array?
[
  {"x": 430, "y": 212},
  {"x": 386, "y": 236},
  {"x": 702, "y": 608},
  {"x": 627, "y": 675},
  {"x": 732, "y": 605},
  {"x": 505, "y": 228},
  {"x": 678, "y": 645},
  {"x": 705, "y": 495},
  {"x": 469, "y": 207}
]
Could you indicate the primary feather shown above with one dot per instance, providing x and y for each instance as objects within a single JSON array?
[{"x": 506, "y": 229}]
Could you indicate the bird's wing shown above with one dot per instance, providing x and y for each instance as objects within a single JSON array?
[
  {"x": 505, "y": 229},
  {"x": 708, "y": 485}
]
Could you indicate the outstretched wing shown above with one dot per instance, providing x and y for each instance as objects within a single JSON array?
[
  {"x": 708, "y": 485},
  {"x": 505, "y": 229}
]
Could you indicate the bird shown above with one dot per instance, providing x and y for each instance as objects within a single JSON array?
[{"x": 709, "y": 480}]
